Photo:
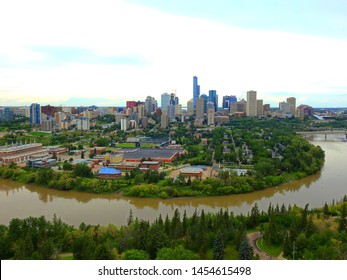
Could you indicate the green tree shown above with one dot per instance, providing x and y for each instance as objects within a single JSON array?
[
  {"x": 264, "y": 167},
  {"x": 84, "y": 248},
  {"x": 255, "y": 215},
  {"x": 326, "y": 210},
  {"x": 134, "y": 254},
  {"x": 130, "y": 217},
  {"x": 304, "y": 215},
  {"x": 245, "y": 250},
  {"x": 177, "y": 253},
  {"x": 83, "y": 170},
  {"x": 218, "y": 247},
  {"x": 67, "y": 166},
  {"x": 343, "y": 218}
]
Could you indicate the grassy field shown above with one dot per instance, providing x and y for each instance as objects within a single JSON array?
[
  {"x": 273, "y": 251},
  {"x": 132, "y": 145},
  {"x": 39, "y": 133}
]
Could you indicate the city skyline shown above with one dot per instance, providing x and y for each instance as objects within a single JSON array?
[{"x": 107, "y": 52}]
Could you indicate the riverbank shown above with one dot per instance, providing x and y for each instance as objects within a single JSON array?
[
  {"x": 316, "y": 233},
  {"x": 76, "y": 206},
  {"x": 161, "y": 187}
]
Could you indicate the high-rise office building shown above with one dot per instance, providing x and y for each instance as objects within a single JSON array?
[
  {"x": 251, "y": 107},
  {"x": 8, "y": 114},
  {"x": 210, "y": 105},
  {"x": 171, "y": 112},
  {"x": 142, "y": 109},
  {"x": 227, "y": 100},
  {"x": 177, "y": 100},
  {"x": 205, "y": 97},
  {"x": 260, "y": 109},
  {"x": 151, "y": 105},
  {"x": 83, "y": 124},
  {"x": 172, "y": 100},
  {"x": 124, "y": 123},
  {"x": 190, "y": 107},
  {"x": 196, "y": 90},
  {"x": 238, "y": 107},
  {"x": 292, "y": 104},
  {"x": 284, "y": 107},
  {"x": 48, "y": 110},
  {"x": 213, "y": 97},
  {"x": 178, "y": 110},
  {"x": 165, "y": 100},
  {"x": 35, "y": 114},
  {"x": 131, "y": 104},
  {"x": 164, "y": 120},
  {"x": 210, "y": 116},
  {"x": 199, "y": 108}
]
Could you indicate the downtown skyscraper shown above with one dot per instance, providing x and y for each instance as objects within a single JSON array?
[
  {"x": 196, "y": 90},
  {"x": 165, "y": 101},
  {"x": 213, "y": 97},
  {"x": 227, "y": 100},
  {"x": 251, "y": 107},
  {"x": 35, "y": 114}
]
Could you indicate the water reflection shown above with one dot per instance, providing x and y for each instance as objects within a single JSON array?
[
  {"x": 46, "y": 195},
  {"x": 18, "y": 200}
]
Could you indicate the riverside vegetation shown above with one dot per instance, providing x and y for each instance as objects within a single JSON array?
[
  {"x": 270, "y": 150},
  {"x": 314, "y": 234}
]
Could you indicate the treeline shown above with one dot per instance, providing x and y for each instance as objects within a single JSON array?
[
  {"x": 314, "y": 234},
  {"x": 136, "y": 183},
  {"x": 79, "y": 179}
]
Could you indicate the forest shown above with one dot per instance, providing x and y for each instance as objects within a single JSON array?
[{"x": 296, "y": 233}]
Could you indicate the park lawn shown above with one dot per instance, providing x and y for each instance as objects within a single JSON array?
[
  {"x": 132, "y": 145},
  {"x": 271, "y": 250},
  {"x": 40, "y": 133}
]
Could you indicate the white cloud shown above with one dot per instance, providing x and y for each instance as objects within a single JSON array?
[{"x": 230, "y": 60}]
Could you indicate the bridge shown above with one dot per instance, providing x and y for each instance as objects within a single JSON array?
[{"x": 325, "y": 132}]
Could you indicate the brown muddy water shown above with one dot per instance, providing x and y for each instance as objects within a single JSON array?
[{"x": 21, "y": 201}]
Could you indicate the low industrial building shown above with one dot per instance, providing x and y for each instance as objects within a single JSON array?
[
  {"x": 57, "y": 150},
  {"x": 41, "y": 162},
  {"x": 126, "y": 166},
  {"x": 161, "y": 155},
  {"x": 192, "y": 172},
  {"x": 19, "y": 153},
  {"x": 151, "y": 165}
]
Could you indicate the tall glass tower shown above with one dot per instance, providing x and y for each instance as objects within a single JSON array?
[
  {"x": 165, "y": 100},
  {"x": 227, "y": 100},
  {"x": 196, "y": 90},
  {"x": 35, "y": 114},
  {"x": 213, "y": 97}
]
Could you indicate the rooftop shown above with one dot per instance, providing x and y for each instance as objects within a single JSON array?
[
  {"x": 109, "y": 171},
  {"x": 191, "y": 170},
  {"x": 16, "y": 147},
  {"x": 152, "y": 153},
  {"x": 150, "y": 162}
]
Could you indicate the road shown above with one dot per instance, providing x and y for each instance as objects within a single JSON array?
[{"x": 252, "y": 239}]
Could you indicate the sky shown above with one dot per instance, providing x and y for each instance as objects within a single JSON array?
[{"x": 105, "y": 52}]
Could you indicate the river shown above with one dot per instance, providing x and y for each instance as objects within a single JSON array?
[{"x": 21, "y": 201}]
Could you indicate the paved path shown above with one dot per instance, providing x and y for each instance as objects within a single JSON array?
[{"x": 252, "y": 239}]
